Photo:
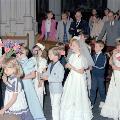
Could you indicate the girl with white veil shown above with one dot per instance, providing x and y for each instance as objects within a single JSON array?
[
  {"x": 85, "y": 51},
  {"x": 75, "y": 103}
]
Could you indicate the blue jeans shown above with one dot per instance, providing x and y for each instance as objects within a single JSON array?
[{"x": 97, "y": 83}]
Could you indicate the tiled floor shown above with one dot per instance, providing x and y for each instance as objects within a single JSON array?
[{"x": 96, "y": 109}]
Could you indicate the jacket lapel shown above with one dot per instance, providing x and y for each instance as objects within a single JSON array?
[{"x": 54, "y": 67}]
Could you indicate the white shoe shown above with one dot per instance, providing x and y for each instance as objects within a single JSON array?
[{"x": 101, "y": 104}]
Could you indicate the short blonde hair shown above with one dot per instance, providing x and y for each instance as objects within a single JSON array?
[{"x": 55, "y": 51}]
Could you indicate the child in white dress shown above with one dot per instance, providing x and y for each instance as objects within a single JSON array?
[
  {"x": 75, "y": 104},
  {"x": 86, "y": 51},
  {"x": 41, "y": 68},
  {"x": 111, "y": 107},
  {"x": 15, "y": 101}
]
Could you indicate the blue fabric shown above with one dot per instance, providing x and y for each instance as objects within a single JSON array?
[
  {"x": 14, "y": 86},
  {"x": 63, "y": 60},
  {"x": 98, "y": 72},
  {"x": 28, "y": 66},
  {"x": 83, "y": 25},
  {"x": 97, "y": 83},
  {"x": 55, "y": 78},
  {"x": 65, "y": 38},
  {"x": 100, "y": 64}
]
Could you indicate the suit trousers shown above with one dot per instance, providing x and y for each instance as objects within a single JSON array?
[
  {"x": 55, "y": 103},
  {"x": 97, "y": 83}
]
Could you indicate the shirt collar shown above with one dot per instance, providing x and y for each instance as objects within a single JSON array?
[
  {"x": 78, "y": 21},
  {"x": 99, "y": 53},
  {"x": 112, "y": 23}
]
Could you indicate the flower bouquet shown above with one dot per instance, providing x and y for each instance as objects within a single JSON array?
[{"x": 10, "y": 48}]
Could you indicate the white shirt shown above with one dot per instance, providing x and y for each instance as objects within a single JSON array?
[
  {"x": 111, "y": 23},
  {"x": 47, "y": 25},
  {"x": 98, "y": 55}
]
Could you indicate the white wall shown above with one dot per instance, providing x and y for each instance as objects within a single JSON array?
[
  {"x": 114, "y": 5},
  {"x": 18, "y": 17}
]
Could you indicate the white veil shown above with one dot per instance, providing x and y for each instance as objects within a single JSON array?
[{"x": 85, "y": 51}]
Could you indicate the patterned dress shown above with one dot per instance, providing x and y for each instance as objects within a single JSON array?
[{"x": 20, "y": 106}]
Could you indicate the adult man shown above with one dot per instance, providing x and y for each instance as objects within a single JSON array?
[
  {"x": 79, "y": 25},
  {"x": 112, "y": 30}
]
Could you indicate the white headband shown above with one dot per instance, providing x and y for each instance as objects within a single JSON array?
[{"x": 42, "y": 47}]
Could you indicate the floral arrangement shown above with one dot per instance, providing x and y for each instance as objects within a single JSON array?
[{"x": 11, "y": 48}]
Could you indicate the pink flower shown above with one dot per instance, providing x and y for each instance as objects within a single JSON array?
[
  {"x": 7, "y": 50},
  {"x": 16, "y": 47}
]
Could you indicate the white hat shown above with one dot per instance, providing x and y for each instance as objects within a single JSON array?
[{"x": 42, "y": 47}]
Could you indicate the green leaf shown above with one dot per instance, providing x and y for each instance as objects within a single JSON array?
[{"x": 10, "y": 53}]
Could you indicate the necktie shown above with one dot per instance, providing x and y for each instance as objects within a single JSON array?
[{"x": 77, "y": 23}]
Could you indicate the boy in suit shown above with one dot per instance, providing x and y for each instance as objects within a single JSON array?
[
  {"x": 98, "y": 72},
  {"x": 55, "y": 75}
]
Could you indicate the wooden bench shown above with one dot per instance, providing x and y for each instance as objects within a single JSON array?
[{"x": 48, "y": 44}]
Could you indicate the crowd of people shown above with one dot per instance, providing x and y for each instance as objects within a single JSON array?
[{"x": 73, "y": 75}]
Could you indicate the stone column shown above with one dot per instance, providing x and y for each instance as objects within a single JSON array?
[
  {"x": 13, "y": 9},
  {"x": 3, "y": 18},
  {"x": 20, "y": 11},
  {"x": 33, "y": 13},
  {"x": 13, "y": 13},
  {"x": 55, "y": 6},
  {"x": 28, "y": 23},
  {"x": 114, "y": 5}
]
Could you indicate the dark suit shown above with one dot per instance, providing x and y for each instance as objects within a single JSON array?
[
  {"x": 75, "y": 28},
  {"x": 98, "y": 72}
]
